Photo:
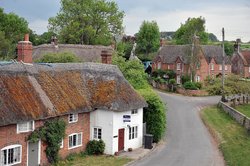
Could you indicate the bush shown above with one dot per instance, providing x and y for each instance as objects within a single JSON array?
[
  {"x": 154, "y": 115},
  {"x": 64, "y": 57},
  {"x": 185, "y": 78},
  {"x": 95, "y": 147},
  {"x": 198, "y": 85},
  {"x": 190, "y": 85}
]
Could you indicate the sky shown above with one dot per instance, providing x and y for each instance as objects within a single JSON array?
[{"x": 233, "y": 15}]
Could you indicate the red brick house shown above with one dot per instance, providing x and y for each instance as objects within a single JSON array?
[
  {"x": 241, "y": 62},
  {"x": 177, "y": 58},
  {"x": 30, "y": 94}
]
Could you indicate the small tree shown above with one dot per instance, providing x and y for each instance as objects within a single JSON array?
[
  {"x": 148, "y": 38},
  {"x": 184, "y": 35}
]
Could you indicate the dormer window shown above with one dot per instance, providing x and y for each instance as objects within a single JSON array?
[
  {"x": 178, "y": 66},
  {"x": 212, "y": 66},
  {"x": 25, "y": 127},
  {"x": 73, "y": 118}
]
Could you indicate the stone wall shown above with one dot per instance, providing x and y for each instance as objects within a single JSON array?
[{"x": 239, "y": 117}]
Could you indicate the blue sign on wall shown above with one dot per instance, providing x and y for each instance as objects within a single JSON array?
[{"x": 126, "y": 118}]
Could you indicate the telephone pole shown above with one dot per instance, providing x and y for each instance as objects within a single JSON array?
[{"x": 223, "y": 65}]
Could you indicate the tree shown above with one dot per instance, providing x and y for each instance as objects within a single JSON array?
[
  {"x": 4, "y": 46},
  {"x": 12, "y": 29},
  {"x": 148, "y": 38},
  {"x": 186, "y": 32},
  {"x": 87, "y": 22},
  {"x": 229, "y": 48}
]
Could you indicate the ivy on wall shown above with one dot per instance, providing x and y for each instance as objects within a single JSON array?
[{"x": 52, "y": 133}]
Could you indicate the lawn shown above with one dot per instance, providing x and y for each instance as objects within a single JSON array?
[
  {"x": 85, "y": 160},
  {"x": 245, "y": 109},
  {"x": 234, "y": 141}
]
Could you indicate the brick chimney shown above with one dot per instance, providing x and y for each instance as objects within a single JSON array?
[
  {"x": 106, "y": 57},
  {"x": 237, "y": 45},
  {"x": 24, "y": 50}
]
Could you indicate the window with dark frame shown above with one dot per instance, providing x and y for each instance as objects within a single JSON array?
[{"x": 133, "y": 132}]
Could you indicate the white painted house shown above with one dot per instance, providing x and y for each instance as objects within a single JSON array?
[{"x": 119, "y": 130}]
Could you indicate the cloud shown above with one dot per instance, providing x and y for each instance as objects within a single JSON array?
[
  {"x": 39, "y": 26},
  {"x": 233, "y": 19}
]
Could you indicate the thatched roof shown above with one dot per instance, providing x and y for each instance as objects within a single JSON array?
[
  {"x": 86, "y": 53},
  {"x": 42, "y": 91},
  {"x": 170, "y": 53}
]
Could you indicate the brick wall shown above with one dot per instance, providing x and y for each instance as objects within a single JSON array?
[{"x": 9, "y": 136}]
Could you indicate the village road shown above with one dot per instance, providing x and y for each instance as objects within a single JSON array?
[{"x": 188, "y": 142}]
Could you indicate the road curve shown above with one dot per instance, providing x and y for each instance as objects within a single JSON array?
[{"x": 188, "y": 141}]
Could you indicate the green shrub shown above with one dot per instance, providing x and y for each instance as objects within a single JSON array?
[
  {"x": 198, "y": 85},
  {"x": 71, "y": 156},
  {"x": 190, "y": 85},
  {"x": 64, "y": 57},
  {"x": 185, "y": 78},
  {"x": 154, "y": 115},
  {"x": 172, "y": 81},
  {"x": 95, "y": 147}
]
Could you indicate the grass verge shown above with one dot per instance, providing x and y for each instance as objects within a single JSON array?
[
  {"x": 245, "y": 109},
  {"x": 233, "y": 139},
  {"x": 86, "y": 160}
]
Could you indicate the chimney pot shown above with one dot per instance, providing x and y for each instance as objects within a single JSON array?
[{"x": 26, "y": 37}]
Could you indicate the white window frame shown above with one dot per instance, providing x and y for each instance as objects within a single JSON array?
[
  {"x": 178, "y": 66},
  {"x": 14, "y": 155},
  {"x": 61, "y": 144},
  {"x": 78, "y": 142},
  {"x": 134, "y": 111},
  {"x": 249, "y": 69},
  {"x": 159, "y": 65},
  {"x": 178, "y": 79},
  {"x": 197, "y": 78},
  {"x": 133, "y": 132},
  {"x": 212, "y": 66},
  {"x": 225, "y": 67},
  {"x": 30, "y": 127},
  {"x": 168, "y": 67},
  {"x": 73, "y": 118},
  {"x": 96, "y": 135},
  {"x": 220, "y": 67}
]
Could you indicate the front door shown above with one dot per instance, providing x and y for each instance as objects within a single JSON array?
[
  {"x": 33, "y": 153},
  {"x": 121, "y": 139}
]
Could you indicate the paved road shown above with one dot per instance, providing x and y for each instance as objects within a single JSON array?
[{"x": 188, "y": 141}]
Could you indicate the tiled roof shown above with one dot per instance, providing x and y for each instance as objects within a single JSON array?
[
  {"x": 170, "y": 53},
  {"x": 246, "y": 55},
  {"x": 42, "y": 91},
  {"x": 86, "y": 53}
]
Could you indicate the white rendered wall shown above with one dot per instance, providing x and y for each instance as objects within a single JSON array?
[
  {"x": 136, "y": 120},
  {"x": 104, "y": 120},
  {"x": 111, "y": 122}
]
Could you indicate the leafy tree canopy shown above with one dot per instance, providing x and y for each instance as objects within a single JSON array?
[
  {"x": 148, "y": 37},
  {"x": 192, "y": 26},
  {"x": 12, "y": 29},
  {"x": 87, "y": 22}
]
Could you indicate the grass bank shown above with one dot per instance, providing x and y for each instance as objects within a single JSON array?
[
  {"x": 233, "y": 139},
  {"x": 85, "y": 160},
  {"x": 245, "y": 109}
]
